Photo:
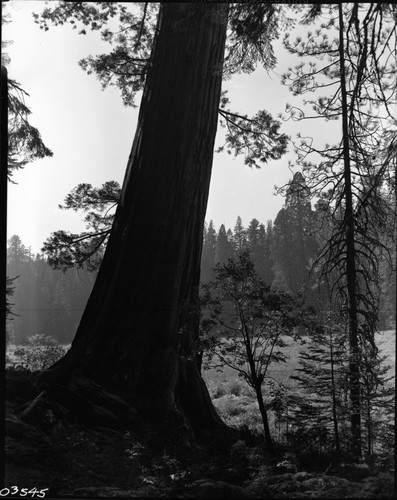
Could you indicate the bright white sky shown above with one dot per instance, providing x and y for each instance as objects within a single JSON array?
[{"x": 91, "y": 133}]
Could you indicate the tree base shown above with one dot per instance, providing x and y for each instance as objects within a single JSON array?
[{"x": 82, "y": 402}]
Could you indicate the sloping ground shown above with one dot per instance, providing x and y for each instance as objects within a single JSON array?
[
  {"x": 100, "y": 463},
  {"x": 302, "y": 486},
  {"x": 77, "y": 462}
]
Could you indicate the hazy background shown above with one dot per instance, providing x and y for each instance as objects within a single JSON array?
[{"x": 90, "y": 132}]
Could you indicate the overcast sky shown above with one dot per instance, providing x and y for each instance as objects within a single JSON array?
[{"x": 91, "y": 133}]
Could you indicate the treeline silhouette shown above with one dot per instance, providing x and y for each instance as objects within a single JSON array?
[{"x": 284, "y": 252}]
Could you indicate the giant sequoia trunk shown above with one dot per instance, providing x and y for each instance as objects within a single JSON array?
[{"x": 138, "y": 335}]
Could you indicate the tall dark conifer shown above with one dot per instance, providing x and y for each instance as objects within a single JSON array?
[
  {"x": 356, "y": 69},
  {"x": 269, "y": 256},
  {"x": 20, "y": 267},
  {"x": 224, "y": 247},
  {"x": 239, "y": 237},
  {"x": 294, "y": 243},
  {"x": 208, "y": 254}
]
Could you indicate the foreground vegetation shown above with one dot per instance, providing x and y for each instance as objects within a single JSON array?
[{"x": 72, "y": 459}]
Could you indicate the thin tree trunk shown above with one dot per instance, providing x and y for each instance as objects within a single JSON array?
[
  {"x": 138, "y": 335},
  {"x": 334, "y": 414},
  {"x": 351, "y": 275},
  {"x": 262, "y": 409},
  {"x": 256, "y": 383},
  {"x": 286, "y": 425},
  {"x": 369, "y": 426}
]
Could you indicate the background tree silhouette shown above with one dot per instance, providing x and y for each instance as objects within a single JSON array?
[
  {"x": 294, "y": 240},
  {"x": 353, "y": 68}
]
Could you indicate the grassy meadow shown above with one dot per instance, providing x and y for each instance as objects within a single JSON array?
[{"x": 235, "y": 400}]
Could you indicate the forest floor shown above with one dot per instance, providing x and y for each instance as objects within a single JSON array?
[{"x": 79, "y": 462}]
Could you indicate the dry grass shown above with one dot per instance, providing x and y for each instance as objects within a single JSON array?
[{"x": 235, "y": 401}]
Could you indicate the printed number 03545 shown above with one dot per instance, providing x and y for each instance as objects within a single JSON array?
[{"x": 23, "y": 492}]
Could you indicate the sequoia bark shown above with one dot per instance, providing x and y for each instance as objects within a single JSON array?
[{"x": 138, "y": 335}]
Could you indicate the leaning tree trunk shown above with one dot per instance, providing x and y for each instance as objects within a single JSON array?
[{"x": 138, "y": 335}]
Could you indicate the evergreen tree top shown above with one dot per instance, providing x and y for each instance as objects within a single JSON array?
[{"x": 297, "y": 192}]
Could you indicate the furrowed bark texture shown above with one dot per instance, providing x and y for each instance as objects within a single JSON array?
[{"x": 138, "y": 334}]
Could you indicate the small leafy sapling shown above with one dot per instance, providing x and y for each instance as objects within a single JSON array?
[{"x": 245, "y": 324}]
